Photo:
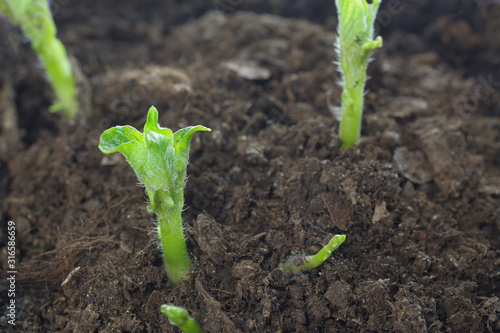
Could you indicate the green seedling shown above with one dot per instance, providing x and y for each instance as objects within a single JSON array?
[
  {"x": 159, "y": 159},
  {"x": 179, "y": 317},
  {"x": 292, "y": 267},
  {"x": 354, "y": 46},
  {"x": 35, "y": 20}
]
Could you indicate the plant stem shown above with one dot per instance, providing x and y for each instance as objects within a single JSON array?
[
  {"x": 324, "y": 253},
  {"x": 168, "y": 204},
  {"x": 36, "y": 21},
  {"x": 354, "y": 45},
  {"x": 175, "y": 255},
  {"x": 179, "y": 317},
  {"x": 315, "y": 260},
  {"x": 352, "y": 112}
]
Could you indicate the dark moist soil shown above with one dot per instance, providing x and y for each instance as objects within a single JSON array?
[{"x": 418, "y": 198}]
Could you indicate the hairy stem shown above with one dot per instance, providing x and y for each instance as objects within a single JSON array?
[
  {"x": 352, "y": 113},
  {"x": 354, "y": 46},
  {"x": 175, "y": 255}
]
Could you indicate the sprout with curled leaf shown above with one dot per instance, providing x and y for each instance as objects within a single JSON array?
[{"x": 159, "y": 158}]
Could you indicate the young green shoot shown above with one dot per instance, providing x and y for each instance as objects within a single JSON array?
[
  {"x": 354, "y": 46},
  {"x": 159, "y": 159},
  {"x": 291, "y": 267},
  {"x": 179, "y": 317},
  {"x": 35, "y": 20}
]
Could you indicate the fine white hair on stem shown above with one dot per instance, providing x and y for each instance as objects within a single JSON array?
[
  {"x": 336, "y": 45},
  {"x": 335, "y": 110}
]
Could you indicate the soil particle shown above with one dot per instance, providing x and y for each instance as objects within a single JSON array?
[
  {"x": 339, "y": 294},
  {"x": 210, "y": 238}
]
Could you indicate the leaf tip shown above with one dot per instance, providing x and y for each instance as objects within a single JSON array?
[{"x": 152, "y": 120}]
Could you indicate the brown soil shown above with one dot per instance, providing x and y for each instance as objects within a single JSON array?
[{"x": 418, "y": 198}]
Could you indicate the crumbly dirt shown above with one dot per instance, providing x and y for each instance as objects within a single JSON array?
[{"x": 418, "y": 198}]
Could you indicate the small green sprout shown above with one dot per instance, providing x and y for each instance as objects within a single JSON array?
[
  {"x": 354, "y": 46},
  {"x": 159, "y": 159},
  {"x": 179, "y": 317},
  {"x": 310, "y": 262},
  {"x": 35, "y": 19}
]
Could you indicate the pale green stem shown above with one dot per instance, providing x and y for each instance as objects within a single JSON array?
[
  {"x": 352, "y": 112},
  {"x": 35, "y": 19},
  {"x": 313, "y": 261},
  {"x": 355, "y": 44},
  {"x": 179, "y": 317},
  {"x": 175, "y": 255}
]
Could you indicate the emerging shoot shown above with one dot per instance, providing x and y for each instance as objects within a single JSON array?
[
  {"x": 354, "y": 46},
  {"x": 179, "y": 317},
  {"x": 310, "y": 262},
  {"x": 35, "y": 20},
  {"x": 159, "y": 159}
]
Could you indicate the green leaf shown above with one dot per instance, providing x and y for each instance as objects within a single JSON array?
[
  {"x": 153, "y": 128},
  {"x": 120, "y": 139},
  {"x": 182, "y": 142},
  {"x": 130, "y": 143}
]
